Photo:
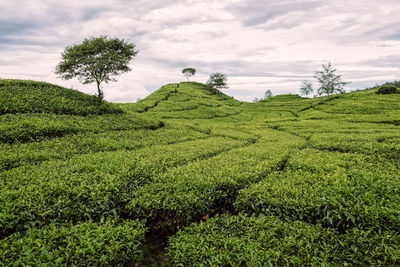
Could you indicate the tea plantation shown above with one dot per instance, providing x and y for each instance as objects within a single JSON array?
[{"x": 189, "y": 177}]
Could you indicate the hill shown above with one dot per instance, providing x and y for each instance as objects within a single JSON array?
[
  {"x": 187, "y": 176},
  {"x": 189, "y": 100},
  {"x": 22, "y": 96}
]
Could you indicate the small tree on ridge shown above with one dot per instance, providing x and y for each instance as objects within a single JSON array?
[
  {"x": 188, "y": 72},
  {"x": 268, "y": 94},
  {"x": 218, "y": 81},
  {"x": 329, "y": 82},
  {"x": 306, "y": 88}
]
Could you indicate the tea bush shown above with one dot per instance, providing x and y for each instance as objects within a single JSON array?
[
  {"x": 387, "y": 89},
  {"x": 18, "y": 154},
  {"x": 336, "y": 190},
  {"x": 90, "y": 187},
  {"x": 86, "y": 244},
  {"x": 183, "y": 194},
  {"x": 265, "y": 240},
  {"x": 36, "y": 127}
]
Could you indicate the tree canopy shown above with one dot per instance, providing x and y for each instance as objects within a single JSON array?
[
  {"x": 218, "y": 81},
  {"x": 268, "y": 94},
  {"x": 329, "y": 82},
  {"x": 306, "y": 88},
  {"x": 96, "y": 59},
  {"x": 189, "y": 72}
]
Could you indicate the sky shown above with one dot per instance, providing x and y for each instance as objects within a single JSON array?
[{"x": 258, "y": 44}]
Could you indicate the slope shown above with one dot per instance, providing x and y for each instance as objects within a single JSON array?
[
  {"x": 21, "y": 96},
  {"x": 286, "y": 181},
  {"x": 186, "y": 100}
]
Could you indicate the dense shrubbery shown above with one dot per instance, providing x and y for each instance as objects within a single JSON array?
[
  {"x": 387, "y": 89},
  {"x": 266, "y": 240},
  {"x": 90, "y": 187},
  {"x": 334, "y": 189},
  {"x": 35, "y": 127},
  {"x": 317, "y": 178},
  {"x": 86, "y": 244},
  {"x": 20, "y": 96}
]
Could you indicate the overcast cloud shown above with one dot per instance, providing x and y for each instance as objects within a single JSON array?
[{"x": 259, "y": 44}]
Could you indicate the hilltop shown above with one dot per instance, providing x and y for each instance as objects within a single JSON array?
[
  {"x": 188, "y": 176},
  {"x": 189, "y": 100}
]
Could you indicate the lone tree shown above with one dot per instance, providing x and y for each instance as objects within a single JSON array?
[
  {"x": 306, "y": 88},
  {"x": 218, "y": 81},
  {"x": 268, "y": 94},
  {"x": 189, "y": 72},
  {"x": 96, "y": 59},
  {"x": 329, "y": 82}
]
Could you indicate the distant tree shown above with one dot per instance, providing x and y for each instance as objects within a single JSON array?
[
  {"x": 329, "y": 82},
  {"x": 218, "y": 81},
  {"x": 96, "y": 59},
  {"x": 255, "y": 100},
  {"x": 188, "y": 72},
  {"x": 306, "y": 88},
  {"x": 268, "y": 94}
]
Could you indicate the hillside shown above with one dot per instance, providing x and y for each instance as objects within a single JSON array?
[
  {"x": 21, "y": 96},
  {"x": 187, "y": 176}
]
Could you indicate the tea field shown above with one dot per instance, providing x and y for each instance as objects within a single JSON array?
[{"x": 189, "y": 177}]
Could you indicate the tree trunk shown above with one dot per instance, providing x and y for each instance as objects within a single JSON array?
[{"x": 99, "y": 92}]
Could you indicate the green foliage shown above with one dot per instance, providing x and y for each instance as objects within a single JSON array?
[
  {"x": 188, "y": 72},
  {"x": 35, "y": 127},
  {"x": 317, "y": 178},
  {"x": 329, "y": 82},
  {"x": 96, "y": 60},
  {"x": 188, "y": 192},
  {"x": 387, "y": 89},
  {"x": 266, "y": 240},
  {"x": 86, "y": 244},
  {"x": 218, "y": 81},
  {"x": 268, "y": 94},
  {"x": 90, "y": 187},
  {"x": 306, "y": 88},
  {"x": 20, "y": 96}
]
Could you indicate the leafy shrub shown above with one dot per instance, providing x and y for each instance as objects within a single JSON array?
[
  {"x": 36, "y": 127},
  {"x": 186, "y": 193},
  {"x": 86, "y": 244},
  {"x": 90, "y": 187},
  {"x": 20, "y": 96},
  {"x": 337, "y": 190},
  {"x": 387, "y": 89},
  {"x": 87, "y": 142},
  {"x": 265, "y": 240}
]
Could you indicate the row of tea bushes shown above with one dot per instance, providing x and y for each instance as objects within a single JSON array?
[
  {"x": 184, "y": 194},
  {"x": 93, "y": 186},
  {"x": 18, "y": 154},
  {"x": 334, "y": 189},
  {"x": 84, "y": 244},
  {"x": 36, "y": 127},
  {"x": 266, "y": 240}
]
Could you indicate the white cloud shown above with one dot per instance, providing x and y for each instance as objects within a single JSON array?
[{"x": 259, "y": 44}]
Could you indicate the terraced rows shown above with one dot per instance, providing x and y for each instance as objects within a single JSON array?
[{"x": 287, "y": 181}]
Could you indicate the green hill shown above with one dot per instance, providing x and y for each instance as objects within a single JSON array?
[
  {"x": 187, "y": 177},
  {"x": 188, "y": 100},
  {"x": 22, "y": 96}
]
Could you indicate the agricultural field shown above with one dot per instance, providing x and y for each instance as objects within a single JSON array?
[{"x": 189, "y": 177}]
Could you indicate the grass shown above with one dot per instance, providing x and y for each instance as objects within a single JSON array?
[{"x": 188, "y": 177}]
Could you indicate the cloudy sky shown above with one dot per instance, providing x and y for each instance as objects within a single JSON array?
[{"x": 258, "y": 44}]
